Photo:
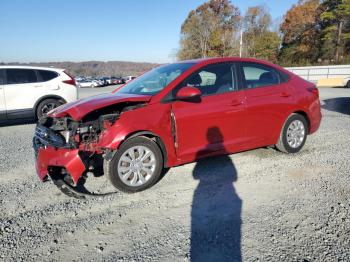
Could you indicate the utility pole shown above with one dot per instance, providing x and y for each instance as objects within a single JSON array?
[{"x": 241, "y": 44}]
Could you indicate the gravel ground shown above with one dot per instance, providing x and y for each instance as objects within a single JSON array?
[{"x": 260, "y": 205}]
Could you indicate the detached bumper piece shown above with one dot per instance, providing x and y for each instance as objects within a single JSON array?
[
  {"x": 66, "y": 166},
  {"x": 61, "y": 157}
]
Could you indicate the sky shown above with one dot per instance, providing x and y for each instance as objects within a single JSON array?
[{"x": 103, "y": 30}]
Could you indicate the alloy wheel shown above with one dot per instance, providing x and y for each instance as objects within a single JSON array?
[
  {"x": 295, "y": 134},
  {"x": 136, "y": 166}
]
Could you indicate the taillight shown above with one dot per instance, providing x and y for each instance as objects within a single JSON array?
[
  {"x": 313, "y": 89},
  {"x": 71, "y": 81}
]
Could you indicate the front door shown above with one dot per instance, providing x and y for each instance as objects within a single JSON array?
[
  {"x": 21, "y": 92},
  {"x": 215, "y": 123}
]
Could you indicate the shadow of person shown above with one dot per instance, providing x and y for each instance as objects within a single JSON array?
[{"x": 216, "y": 208}]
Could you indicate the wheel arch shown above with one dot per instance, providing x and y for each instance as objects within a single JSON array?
[
  {"x": 305, "y": 115},
  {"x": 152, "y": 136},
  {"x": 48, "y": 97},
  {"x": 35, "y": 108}
]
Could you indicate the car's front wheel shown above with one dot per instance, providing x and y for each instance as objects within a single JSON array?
[
  {"x": 293, "y": 134},
  {"x": 348, "y": 84},
  {"x": 136, "y": 166}
]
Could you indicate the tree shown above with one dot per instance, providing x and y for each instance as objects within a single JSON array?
[
  {"x": 301, "y": 41},
  {"x": 334, "y": 16},
  {"x": 259, "y": 41},
  {"x": 209, "y": 30}
]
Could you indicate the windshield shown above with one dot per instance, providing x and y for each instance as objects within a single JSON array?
[{"x": 155, "y": 80}]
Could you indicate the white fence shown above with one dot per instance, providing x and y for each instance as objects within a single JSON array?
[{"x": 315, "y": 73}]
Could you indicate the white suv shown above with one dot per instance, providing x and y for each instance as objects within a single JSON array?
[{"x": 31, "y": 92}]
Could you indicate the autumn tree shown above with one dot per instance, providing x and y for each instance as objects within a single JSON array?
[
  {"x": 259, "y": 41},
  {"x": 210, "y": 30},
  {"x": 301, "y": 41},
  {"x": 334, "y": 17}
]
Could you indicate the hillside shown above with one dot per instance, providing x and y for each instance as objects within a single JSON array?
[{"x": 98, "y": 68}]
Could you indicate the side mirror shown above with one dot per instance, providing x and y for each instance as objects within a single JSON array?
[{"x": 188, "y": 93}]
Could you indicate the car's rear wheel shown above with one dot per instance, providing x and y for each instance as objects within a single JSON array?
[
  {"x": 293, "y": 134},
  {"x": 46, "y": 106},
  {"x": 348, "y": 84},
  {"x": 136, "y": 166}
]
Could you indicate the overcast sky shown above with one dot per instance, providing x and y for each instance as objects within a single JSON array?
[{"x": 81, "y": 30}]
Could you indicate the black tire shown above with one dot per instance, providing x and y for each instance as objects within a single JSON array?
[
  {"x": 282, "y": 144},
  {"x": 46, "y": 105},
  {"x": 111, "y": 167},
  {"x": 348, "y": 84}
]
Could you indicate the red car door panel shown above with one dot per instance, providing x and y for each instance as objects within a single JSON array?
[
  {"x": 216, "y": 122},
  {"x": 196, "y": 124}
]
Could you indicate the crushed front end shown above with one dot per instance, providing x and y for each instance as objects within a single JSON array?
[{"x": 66, "y": 149}]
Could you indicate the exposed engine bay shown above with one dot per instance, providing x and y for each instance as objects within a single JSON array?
[
  {"x": 65, "y": 132},
  {"x": 76, "y": 142}
]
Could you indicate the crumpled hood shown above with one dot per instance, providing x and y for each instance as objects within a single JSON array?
[{"x": 78, "y": 109}]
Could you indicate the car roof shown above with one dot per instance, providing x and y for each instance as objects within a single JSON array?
[
  {"x": 208, "y": 61},
  {"x": 30, "y": 67},
  {"x": 223, "y": 59}
]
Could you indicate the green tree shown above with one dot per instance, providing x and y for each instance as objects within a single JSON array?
[
  {"x": 334, "y": 17},
  {"x": 209, "y": 31}
]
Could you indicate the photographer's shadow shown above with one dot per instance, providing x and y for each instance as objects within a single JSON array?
[{"x": 216, "y": 208}]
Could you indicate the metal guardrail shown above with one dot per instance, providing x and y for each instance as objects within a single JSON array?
[{"x": 315, "y": 73}]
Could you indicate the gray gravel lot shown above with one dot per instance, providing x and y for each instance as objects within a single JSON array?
[{"x": 259, "y": 205}]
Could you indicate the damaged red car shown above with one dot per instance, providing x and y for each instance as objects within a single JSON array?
[{"x": 176, "y": 114}]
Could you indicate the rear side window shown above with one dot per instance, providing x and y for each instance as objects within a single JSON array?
[
  {"x": 283, "y": 77},
  {"x": 2, "y": 76},
  {"x": 21, "y": 76},
  {"x": 257, "y": 75},
  {"x": 46, "y": 75}
]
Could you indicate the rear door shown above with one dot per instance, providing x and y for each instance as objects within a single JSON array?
[
  {"x": 268, "y": 100},
  {"x": 21, "y": 91},
  {"x": 2, "y": 95},
  {"x": 46, "y": 80}
]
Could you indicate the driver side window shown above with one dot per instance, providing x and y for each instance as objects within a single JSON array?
[{"x": 213, "y": 79}]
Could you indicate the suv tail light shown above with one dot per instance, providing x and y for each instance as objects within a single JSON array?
[{"x": 71, "y": 81}]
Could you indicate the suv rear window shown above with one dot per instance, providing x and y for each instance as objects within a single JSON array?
[
  {"x": 21, "y": 76},
  {"x": 46, "y": 75}
]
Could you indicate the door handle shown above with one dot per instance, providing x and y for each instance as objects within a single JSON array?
[
  {"x": 285, "y": 94},
  {"x": 38, "y": 85},
  {"x": 236, "y": 103}
]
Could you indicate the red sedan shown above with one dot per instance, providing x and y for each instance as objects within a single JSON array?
[{"x": 176, "y": 114}]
